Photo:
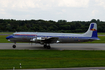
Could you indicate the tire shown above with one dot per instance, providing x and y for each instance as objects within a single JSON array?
[
  {"x": 45, "y": 46},
  {"x": 14, "y": 46},
  {"x": 48, "y": 47}
]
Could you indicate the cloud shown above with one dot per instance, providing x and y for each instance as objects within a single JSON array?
[
  {"x": 73, "y": 3},
  {"x": 95, "y": 12},
  {"x": 20, "y": 6},
  {"x": 43, "y": 3},
  {"x": 52, "y": 9},
  {"x": 17, "y": 3},
  {"x": 101, "y": 3}
]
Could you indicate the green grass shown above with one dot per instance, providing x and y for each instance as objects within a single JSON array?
[
  {"x": 3, "y": 39},
  {"x": 102, "y": 40},
  {"x": 6, "y": 32},
  {"x": 31, "y": 59},
  {"x": 101, "y": 33}
]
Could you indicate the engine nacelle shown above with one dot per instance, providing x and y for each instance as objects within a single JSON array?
[
  {"x": 36, "y": 39},
  {"x": 33, "y": 39},
  {"x": 39, "y": 38}
]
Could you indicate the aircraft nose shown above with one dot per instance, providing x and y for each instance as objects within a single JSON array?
[{"x": 8, "y": 37}]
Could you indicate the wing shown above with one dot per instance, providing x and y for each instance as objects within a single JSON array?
[
  {"x": 45, "y": 40},
  {"x": 50, "y": 40}
]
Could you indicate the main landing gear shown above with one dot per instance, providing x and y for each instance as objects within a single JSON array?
[
  {"x": 47, "y": 46},
  {"x": 14, "y": 46}
]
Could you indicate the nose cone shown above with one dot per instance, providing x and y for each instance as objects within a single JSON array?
[{"x": 8, "y": 37}]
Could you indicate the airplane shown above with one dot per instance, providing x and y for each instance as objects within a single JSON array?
[{"x": 47, "y": 38}]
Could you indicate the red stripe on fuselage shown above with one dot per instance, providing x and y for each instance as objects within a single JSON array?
[{"x": 27, "y": 34}]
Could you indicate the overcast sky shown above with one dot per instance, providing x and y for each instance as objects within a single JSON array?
[{"x": 70, "y": 10}]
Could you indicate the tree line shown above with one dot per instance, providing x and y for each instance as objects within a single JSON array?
[{"x": 11, "y": 25}]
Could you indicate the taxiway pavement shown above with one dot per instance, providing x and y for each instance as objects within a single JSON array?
[{"x": 71, "y": 46}]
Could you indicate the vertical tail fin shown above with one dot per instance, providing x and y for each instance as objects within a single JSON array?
[{"x": 92, "y": 31}]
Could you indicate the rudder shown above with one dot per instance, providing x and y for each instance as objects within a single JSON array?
[{"x": 92, "y": 31}]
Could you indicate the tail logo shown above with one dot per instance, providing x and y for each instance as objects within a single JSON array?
[{"x": 92, "y": 28}]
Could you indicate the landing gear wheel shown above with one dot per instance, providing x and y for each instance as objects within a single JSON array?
[
  {"x": 45, "y": 46},
  {"x": 14, "y": 46},
  {"x": 48, "y": 47}
]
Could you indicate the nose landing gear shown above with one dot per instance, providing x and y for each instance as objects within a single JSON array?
[{"x": 14, "y": 46}]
